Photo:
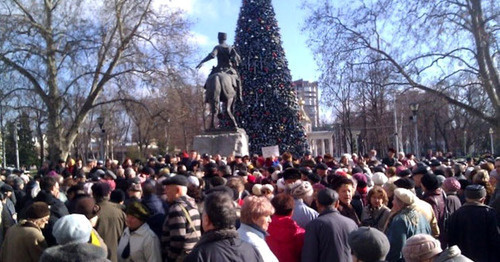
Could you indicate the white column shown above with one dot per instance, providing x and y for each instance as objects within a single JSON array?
[
  {"x": 330, "y": 141},
  {"x": 322, "y": 147}
]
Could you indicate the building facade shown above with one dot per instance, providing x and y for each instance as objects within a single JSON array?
[{"x": 308, "y": 92}]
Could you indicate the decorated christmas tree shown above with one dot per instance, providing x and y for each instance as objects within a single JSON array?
[{"x": 269, "y": 112}]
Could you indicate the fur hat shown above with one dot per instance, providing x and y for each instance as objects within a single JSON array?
[
  {"x": 256, "y": 189},
  {"x": 421, "y": 247},
  {"x": 430, "y": 182},
  {"x": 369, "y": 244},
  {"x": 37, "y": 210},
  {"x": 74, "y": 228},
  {"x": 405, "y": 195},
  {"x": 302, "y": 189},
  {"x": 178, "y": 180},
  {"x": 405, "y": 183}
]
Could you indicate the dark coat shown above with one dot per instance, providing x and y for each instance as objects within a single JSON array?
[
  {"x": 473, "y": 228},
  {"x": 155, "y": 206},
  {"x": 57, "y": 210},
  {"x": 326, "y": 237},
  {"x": 223, "y": 245}
]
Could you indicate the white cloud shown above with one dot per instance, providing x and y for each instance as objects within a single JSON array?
[
  {"x": 185, "y": 5},
  {"x": 199, "y": 39}
]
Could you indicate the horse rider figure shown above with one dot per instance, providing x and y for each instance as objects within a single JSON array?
[{"x": 230, "y": 84}]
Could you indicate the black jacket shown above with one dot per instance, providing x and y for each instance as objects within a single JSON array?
[
  {"x": 223, "y": 245},
  {"x": 326, "y": 237},
  {"x": 473, "y": 228}
]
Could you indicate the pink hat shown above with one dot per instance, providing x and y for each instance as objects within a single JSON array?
[
  {"x": 451, "y": 184},
  {"x": 421, "y": 247}
]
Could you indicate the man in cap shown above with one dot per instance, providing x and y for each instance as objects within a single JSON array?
[
  {"x": 181, "y": 229},
  {"x": 138, "y": 242},
  {"x": 326, "y": 237},
  {"x": 473, "y": 227},
  {"x": 418, "y": 172}
]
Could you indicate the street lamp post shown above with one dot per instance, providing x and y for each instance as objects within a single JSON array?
[
  {"x": 491, "y": 141},
  {"x": 100, "y": 121},
  {"x": 16, "y": 144},
  {"x": 414, "y": 109},
  {"x": 465, "y": 142}
]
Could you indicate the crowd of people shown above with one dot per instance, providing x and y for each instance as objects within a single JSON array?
[{"x": 192, "y": 207}]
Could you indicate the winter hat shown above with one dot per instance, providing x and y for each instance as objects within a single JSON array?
[
  {"x": 430, "y": 182},
  {"x": 379, "y": 178},
  {"x": 256, "y": 189},
  {"x": 193, "y": 180},
  {"x": 74, "y": 228},
  {"x": 37, "y": 210},
  {"x": 475, "y": 192},
  {"x": 369, "y": 244},
  {"x": 135, "y": 187},
  {"x": 404, "y": 173},
  {"x": 361, "y": 179},
  {"x": 87, "y": 207},
  {"x": 301, "y": 190},
  {"x": 178, "y": 180},
  {"x": 405, "y": 195},
  {"x": 451, "y": 184},
  {"x": 291, "y": 173},
  {"x": 421, "y": 247},
  {"x": 138, "y": 210},
  {"x": 405, "y": 183},
  {"x": 268, "y": 187}
]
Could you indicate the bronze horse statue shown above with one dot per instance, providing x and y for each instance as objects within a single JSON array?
[
  {"x": 221, "y": 87},
  {"x": 223, "y": 83}
]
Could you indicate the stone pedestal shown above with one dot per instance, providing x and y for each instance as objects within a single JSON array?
[{"x": 222, "y": 142}]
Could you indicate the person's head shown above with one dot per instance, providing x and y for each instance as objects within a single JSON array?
[
  {"x": 283, "y": 204},
  {"x": 403, "y": 198},
  {"x": 101, "y": 191},
  {"x": 475, "y": 193},
  {"x": 175, "y": 187},
  {"x": 327, "y": 198},
  {"x": 137, "y": 215},
  {"x": 377, "y": 197},
  {"x": 257, "y": 211},
  {"x": 88, "y": 207},
  {"x": 417, "y": 174},
  {"x": 481, "y": 177},
  {"x": 39, "y": 214},
  {"x": 290, "y": 175},
  {"x": 301, "y": 190},
  {"x": 50, "y": 184},
  {"x": 73, "y": 228},
  {"x": 368, "y": 244},
  {"x": 430, "y": 182},
  {"x": 421, "y": 248},
  {"x": 345, "y": 189},
  {"x": 219, "y": 212},
  {"x": 451, "y": 185},
  {"x": 135, "y": 191}
]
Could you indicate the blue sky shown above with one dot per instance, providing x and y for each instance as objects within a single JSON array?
[{"x": 213, "y": 16}]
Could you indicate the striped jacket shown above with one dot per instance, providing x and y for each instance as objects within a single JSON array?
[{"x": 178, "y": 237}]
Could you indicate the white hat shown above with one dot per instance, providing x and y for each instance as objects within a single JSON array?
[
  {"x": 379, "y": 178},
  {"x": 405, "y": 195},
  {"x": 74, "y": 228},
  {"x": 256, "y": 189}
]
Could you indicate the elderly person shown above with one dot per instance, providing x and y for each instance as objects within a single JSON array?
[
  {"x": 303, "y": 214},
  {"x": 368, "y": 244},
  {"x": 138, "y": 242},
  {"x": 255, "y": 218},
  {"x": 27, "y": 236},
  {"x": 376, "y": 213},
  {"x": 181, "y": 229},
  {"x": 220, "y": 241},
  {"x": 404, "y": 222},
  {"x": 425, "y": 248},
  {"x": 286, "y": 238}
]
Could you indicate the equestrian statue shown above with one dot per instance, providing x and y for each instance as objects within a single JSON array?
[{"x": 223, "y": 83}]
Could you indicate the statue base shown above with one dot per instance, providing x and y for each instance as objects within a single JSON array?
[{"x": 222, "y": 142}]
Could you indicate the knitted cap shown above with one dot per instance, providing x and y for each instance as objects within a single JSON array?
[
  {"x": 421, "y": 247},
  {"x": 475, "y": 192},
  {"x": 451, "y": 184},
  {"x": 74, "y": 228},
  {"x": 37, "y": 210}
]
